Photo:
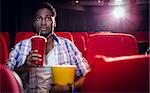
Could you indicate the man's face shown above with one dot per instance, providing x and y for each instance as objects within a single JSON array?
[{"x": 44, "y": 22}]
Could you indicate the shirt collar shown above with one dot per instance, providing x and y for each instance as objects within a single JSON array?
[{"x": 57, "y": 39}]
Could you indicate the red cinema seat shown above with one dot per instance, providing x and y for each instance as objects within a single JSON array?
[
  {"x": 80, "y": 44},
  {"x": 3, "y": 51},
  {"x": 9, "y": 82},
  {"x": 128, "y": 74},
  {"x": 111, "y": 44},
  {"x": 23, "y": 35},
  {"x": 84, "y": 34},
  {"x": 143, "y": 41},
  {"x": 65, "y": 35},
  {"x": 90, "y": 33},
  {"x": 142, "y": 36},
  {"x": 7, "y": 38}
]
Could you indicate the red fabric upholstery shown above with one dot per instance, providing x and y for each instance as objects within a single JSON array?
[
  {"x": 111, "y": 44},
  {"x": 80, "y": 44},
  {"x": 90, "y": 33},
  {"x": 8, "y": 83},
  {"x": 7, "y": 38},
  {"x": 23, "y": 35},
  {"x": 65, "y": 35},
  {"x": 3, "y": 50},
  {"x": 142, "y": 36},
  {"x": 118, "y": 75},
  {"x": 84, "y": 34}
]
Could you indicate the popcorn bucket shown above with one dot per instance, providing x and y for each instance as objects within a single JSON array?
[{"x": 63, "y": 74}]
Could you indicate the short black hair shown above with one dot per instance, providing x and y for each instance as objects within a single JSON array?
[{"x": 44, "y": 5}]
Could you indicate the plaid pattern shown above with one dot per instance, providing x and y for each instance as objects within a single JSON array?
[{"x": 65, "y": 53}]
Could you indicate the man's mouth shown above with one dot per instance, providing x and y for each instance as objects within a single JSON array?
[{"x": 43, "y": 29}]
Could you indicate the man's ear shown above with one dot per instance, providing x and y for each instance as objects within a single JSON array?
[
  {"x": 55, "y": 24},
  {"x": 33, "y": 24}
]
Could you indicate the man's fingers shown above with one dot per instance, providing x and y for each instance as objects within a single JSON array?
[
  {"x": 33, "y": 65},
  {"x": 35, "y": 55},
  {"x": 59, "y": 88},
  {"x": 36, "y": 59},
  {"x": 52, "y": 84},
  {"x": 32, "y": 51}
]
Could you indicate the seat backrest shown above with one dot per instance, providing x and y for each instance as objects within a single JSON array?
[
  {"x": 111, "y": 44},
  {"x": 22, "y": 35},
  {"x": 8, "y": 82},
  {"x": 119, "y": 74},
  {"x": 142, "y": 40},
  {"x": 91, "y": 32},
  {"x": 80, "y": 44},
  {"x": 142, "y": 36},
  {"x": 84, "y": 34},
  {"x": 65, "y": 35},
  {"x": 3, "y": 51},
  {"x": 7, "y": 38}
]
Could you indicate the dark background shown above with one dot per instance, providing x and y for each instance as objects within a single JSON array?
[
  {"x": 87, "y": 15},
  {"x": 17, "y": 15}
]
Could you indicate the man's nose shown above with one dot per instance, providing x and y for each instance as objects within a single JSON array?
[{"x": 43, "y": 22}]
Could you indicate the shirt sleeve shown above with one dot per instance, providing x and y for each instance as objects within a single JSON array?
[
  {"x": 13, "y": 58},
  {"x": 18, "y": 55},
  {"x": 77, "y": 59}
]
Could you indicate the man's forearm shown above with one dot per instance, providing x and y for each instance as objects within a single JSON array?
[
  {"x": 79, "y": 83},
  {"x": 21, "y": 69}
]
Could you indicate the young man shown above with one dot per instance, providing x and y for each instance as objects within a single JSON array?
[{"x": 59, "y": 51}]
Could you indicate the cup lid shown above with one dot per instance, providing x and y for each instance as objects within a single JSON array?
[{"x": 39, "y": 37}]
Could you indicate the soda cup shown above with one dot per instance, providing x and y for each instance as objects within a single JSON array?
[{"x": 39, "y": 43}]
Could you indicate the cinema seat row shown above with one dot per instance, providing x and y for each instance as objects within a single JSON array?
[
  {"x": 90, "y": 43},
  {"x": 126, "y": 74},
  {"x": 116, "y": 65}
]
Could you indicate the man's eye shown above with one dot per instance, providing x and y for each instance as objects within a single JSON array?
[
  {"x": 37, "y": 19},
  {"x": 49, "y": 18}
]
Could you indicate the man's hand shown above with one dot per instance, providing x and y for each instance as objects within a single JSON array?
[
  {"x": 55, "y": 88},
  {"x": 33, "y": 56}
]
